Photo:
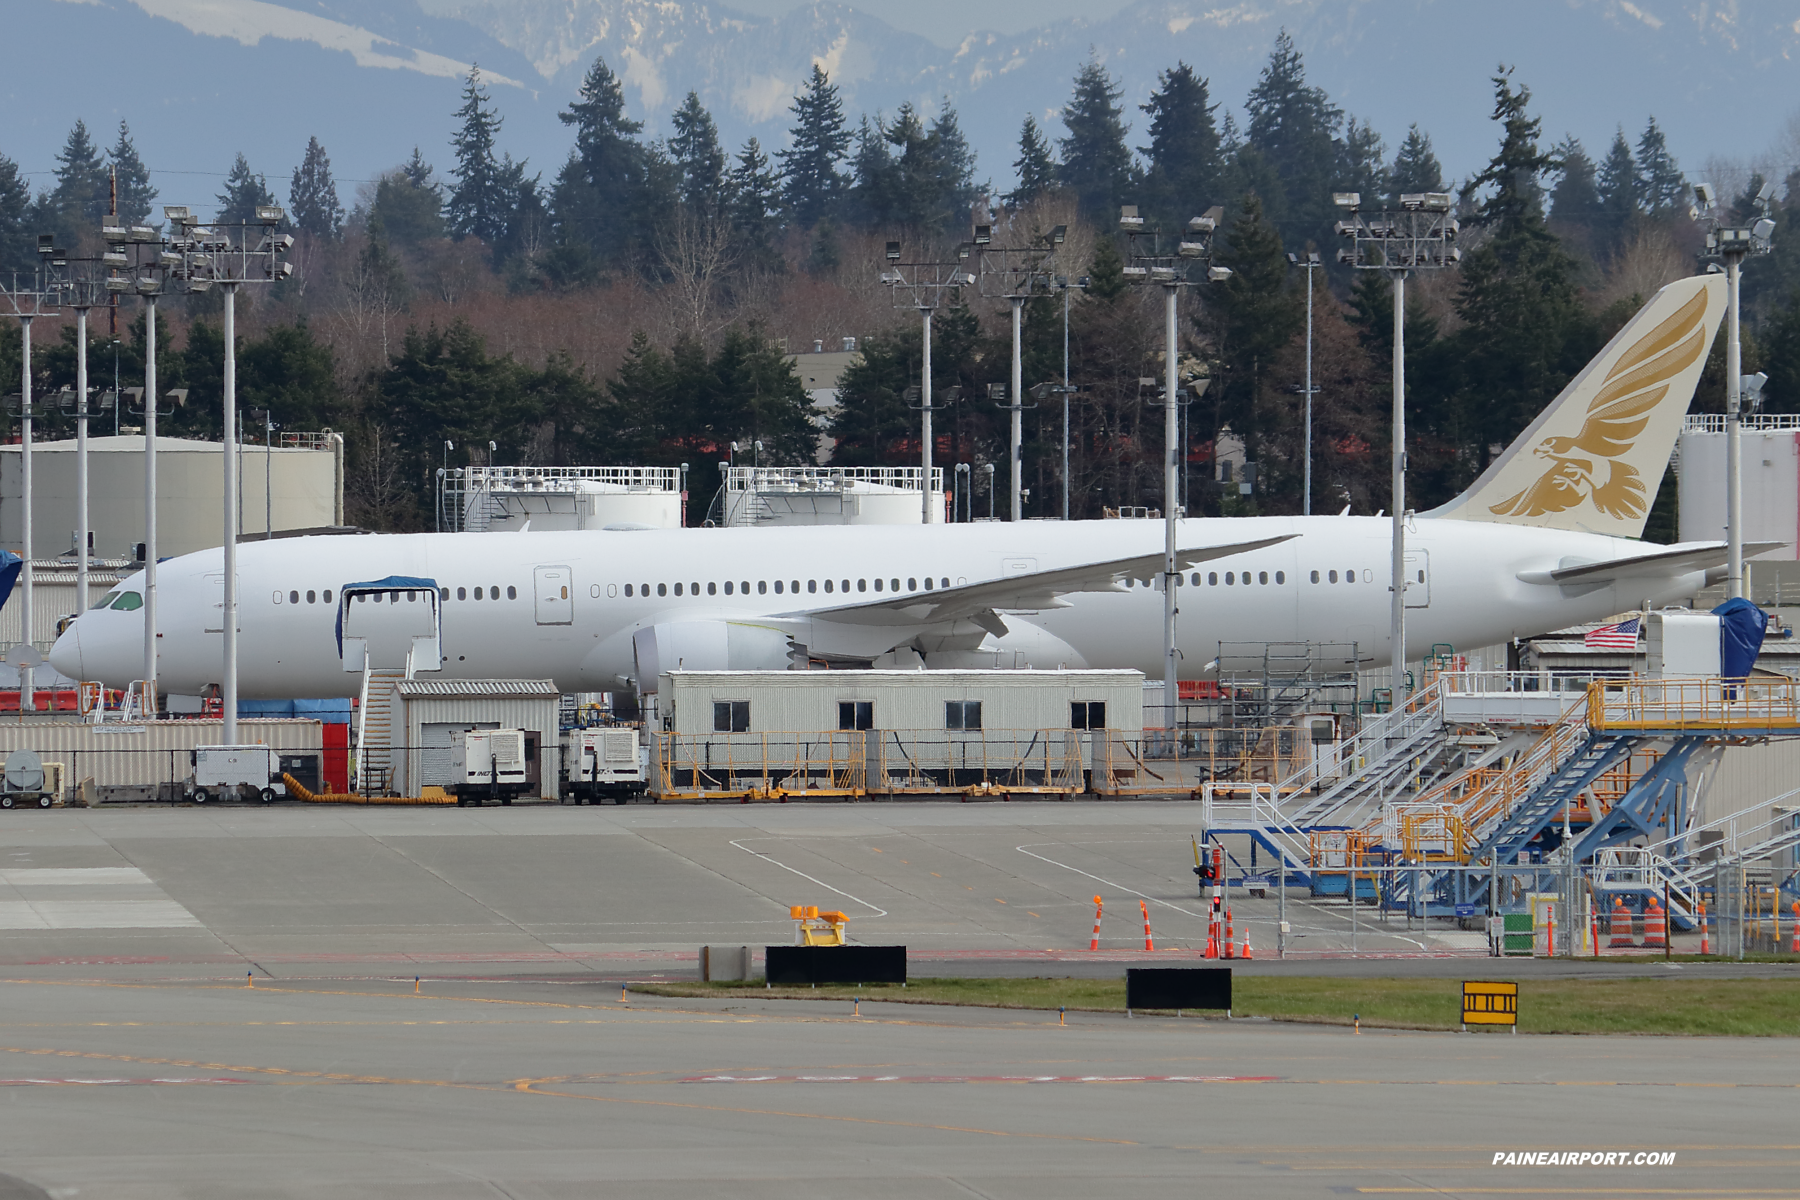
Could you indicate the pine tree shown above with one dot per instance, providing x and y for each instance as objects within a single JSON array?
[
  {"x": 599, "y": 201},
  {"x": 409, "y": 203},
  {"x": 1620, "y": 198},
  {"x": 1525, "y": 330},
  {"x": 136, "y": 196},
  {"x": 1250, "y": 317},
  {"x": 1781, "y": 341},
  {"x": 83, "y": 192},
  {"x": 1295, "y": 127},
  {"x": 695, "y": 147},
  {"x": 813, "y": 183},
  {"x": 1662, "y": 187},
  {"x": 871, "y": 197},
  {"x": 1361, "y": 167},
  {"x": 245, "y": 191},
  {"x": 1096, "y": 165},
  {"x": 313, "y": 202},
  {"x": 478, "y": 202},
  {"x": 1415, "y": 168},
  {"x": 18, "y": 242},
  {"x": 1184, "y": 150},
  {"x": 1575, "y": 198},
  {"x": 753, "y": 194},
  {"x": 1035, "y": 166}
]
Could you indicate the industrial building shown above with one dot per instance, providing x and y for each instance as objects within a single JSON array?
[
  {"x": 1771, "y": 480},
  {"x": 434, "y": 711},
  {"x": 296, "y": 484}
]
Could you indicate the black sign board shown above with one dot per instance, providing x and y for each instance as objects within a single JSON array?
[
  {"x": 1178, "y": 987},
  {"x": 836, "y": 964}
]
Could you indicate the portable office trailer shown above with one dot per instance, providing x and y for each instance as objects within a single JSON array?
[
  {"x": 699, "y": 703},
  {"x": 436, "y": 712}
]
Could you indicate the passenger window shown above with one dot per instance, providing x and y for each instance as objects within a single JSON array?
[
  {"x": 628, "y": 590},
  {"x": 1315, "y": 577},
  {"x": 828, "y": 585},
  {"x": 727, "y": 587},
  {"x": 693, "y": 589},
  {"x": 743, "y": 586},
  {"x": 928, "y": 583},
  {"x": 862, "y": 585},
  {"x": 328, "y": 596},
  {"x": 1334, "y": 576},
  {"x": 293, "y": 597},
  {"x": 856, "y": 714},
  {"x": 643, "y": 589},
  {"x": 792, "y": 587},
  {"x": 731, "y": 716},
  {"x": 1212, "y": 579},
  {"x": 678, "y": 589},
  {"x": 812, "y": 585},
  {"x": 912, "y": 584},
  {"x": 893, "y": 585},
  {"x": 1368, "y": 575},
  {"x": 846, "y": 586},
  {"x": 312, "y": 597},
  {"x": 1281, "y": 577},
  {"x": 1421, "y": 576},
  {"x": 1261, "y": 577},
  {"x": 712, "y": 589},
  {"x": 877, "y": 585},
  {"x": 275, "y": 597},
  {"x": 662, "y": 589},
  {"x": 946, "y": 582},
  {"x": 1230, "y": 576},
  {"x": 962, "y": 714},
  {"x": 1196, "y": 579},
  {"x": 1350, "y": 576},
  {"x": 462, "y": 593}
]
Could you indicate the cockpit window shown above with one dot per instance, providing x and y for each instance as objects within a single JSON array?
[{"x": 128, "y": 601}]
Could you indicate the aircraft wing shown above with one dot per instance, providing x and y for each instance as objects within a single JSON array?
[
  {"x": 1031, "y": 591},
  {"x": 1671, "y": 560}
]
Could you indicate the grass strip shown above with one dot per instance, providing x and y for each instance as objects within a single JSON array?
[{"x": 1686, "y": 1007}]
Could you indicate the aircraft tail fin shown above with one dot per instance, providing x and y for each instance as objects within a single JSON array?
[{"x": 1593, "y": 459}]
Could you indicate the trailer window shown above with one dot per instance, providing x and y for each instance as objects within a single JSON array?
[
  {"x": 1087, "y": 714},
  {"x": 856, "y": 714},
  {"x": 731, "y": 716},
  {"x": 962, "y": 714}
]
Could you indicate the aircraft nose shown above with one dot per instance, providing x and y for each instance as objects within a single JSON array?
[{"x": 65, "y": 655}]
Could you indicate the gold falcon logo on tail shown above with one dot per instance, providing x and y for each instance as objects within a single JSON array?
[
  {"x": 1635, "y": 385},
  {"x": 1594, "y": 459}
]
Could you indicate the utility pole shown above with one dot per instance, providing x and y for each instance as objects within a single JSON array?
[{"x": 924, "y": 286}]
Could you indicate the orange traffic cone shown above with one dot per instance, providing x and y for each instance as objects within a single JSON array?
[
  {"x": 1230, "y": 949},
  {"x": 1705, "y": 933},
  {"x": 1796, "y": 945},
  {"x": 1245, "y": 952},
  {"x": 1212, "y": 938}
]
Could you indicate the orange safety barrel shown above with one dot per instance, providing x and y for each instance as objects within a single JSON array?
[
  {"x": 1619, "y": 924},
  {"x": 1656, "y": 926}
]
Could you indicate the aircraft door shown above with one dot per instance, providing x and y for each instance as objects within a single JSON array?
[
  {"x": 554, "y": 596},
  {"x": 1418, "y": 579}
]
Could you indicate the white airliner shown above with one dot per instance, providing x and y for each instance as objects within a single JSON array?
[{"x": 1547, "y": 537}]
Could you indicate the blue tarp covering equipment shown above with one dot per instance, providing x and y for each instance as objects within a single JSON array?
[
  {"x": 10, "y": 566},
  {"x": 1741, "y": 629}
]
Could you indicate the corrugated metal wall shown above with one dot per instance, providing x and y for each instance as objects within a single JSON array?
[
  {"x": 491, "y": 712},
  {"x": 144, "y": 755}
]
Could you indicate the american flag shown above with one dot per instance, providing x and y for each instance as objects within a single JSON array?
[{"x": 1622, "y": 636}]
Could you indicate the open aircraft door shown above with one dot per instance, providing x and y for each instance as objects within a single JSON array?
[{"x": 554, "y": 595}]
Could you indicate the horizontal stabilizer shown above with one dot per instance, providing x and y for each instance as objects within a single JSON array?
[{"x": 1663, "y": 563}]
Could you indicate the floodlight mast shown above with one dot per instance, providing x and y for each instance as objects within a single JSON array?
[
  {"x": 203, "y": 257},
  {"x": 1733, "y": 244},
  {"x": 1420, "y": 235},
  {"x": 1018, "y": 273},
  {"x": 922, "y": 285},
  {"x": 1311, "y": 263},
  {"x": 1169, "y": 270},
  {"x": 37, "y": 296}
]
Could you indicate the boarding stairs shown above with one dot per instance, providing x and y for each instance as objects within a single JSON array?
[
  {"x": 377, "y": 713},
  {"x": 1387, "y": 753}
]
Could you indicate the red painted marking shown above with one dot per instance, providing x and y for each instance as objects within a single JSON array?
[{"x": 107, "y": 1082}]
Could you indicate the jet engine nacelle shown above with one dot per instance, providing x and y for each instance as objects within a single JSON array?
[{"x": 706, "y": 646}]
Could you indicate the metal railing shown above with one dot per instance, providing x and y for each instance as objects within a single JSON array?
[
  {"x": 1752, "y": 423},
  {"x": 829, "y": 479},
  {"x": 1699, "y": 704}
]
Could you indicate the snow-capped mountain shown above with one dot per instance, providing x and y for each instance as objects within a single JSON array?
[{"x": 199, "y": 80}]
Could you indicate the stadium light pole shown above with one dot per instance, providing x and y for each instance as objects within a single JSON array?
[
  {"x": 1067, "y": 390},
  {"x": 207, "y": 256},
  {"x": 1310, "y": 264},
  {"x": 923, "y": 285},
  {"x": 1019, "y": 273},
  {"x": 37, "y": 296},
  {"x": 1732, "y": 244},
  {"x": 1420, "y": 235},
  {"x": 1169, "y": 268}
]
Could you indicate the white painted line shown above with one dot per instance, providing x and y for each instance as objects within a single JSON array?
[
  {"x": 37, "y": 876},
  {"x": 880, "y": 912}
]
